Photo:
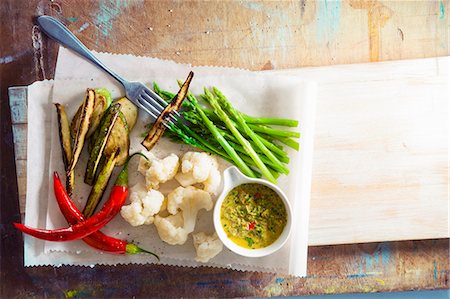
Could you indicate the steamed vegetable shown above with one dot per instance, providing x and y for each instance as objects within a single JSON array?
[
  {"x": 248, "y": 131},
  {"x": 199, "y": 168},
  {"x": 145, "y": 204},
  {"x": 206, "y": 246},
  {"x": 183, "y": 204},
  {"x": 216, "y": 134},
  {"x": 246, "y": 141}
]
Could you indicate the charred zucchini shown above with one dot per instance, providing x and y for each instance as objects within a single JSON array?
[
  {"x": 66, "y": 147},
  {"x": 82, "y": 128},
  {"x": 100, "y": 185},
  {"x": 101, "y": 139},
  {"x": 119, "y": 138},
  {"x": 101, "y": 104},
  {"x": 158, "y": 128},
  {"x": 129, "y": 110},
  {"x": 64, "y": 134}
]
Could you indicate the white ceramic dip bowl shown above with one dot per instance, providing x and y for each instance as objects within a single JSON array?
[{"x": 232, "y": 178}]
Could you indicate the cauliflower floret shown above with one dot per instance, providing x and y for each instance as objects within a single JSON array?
[
  {"x": 170, "y": 229},
  {"x": 212, "y": 183},
  {"x": 189, "y": 201},
  {"x": 184, "y": 203},
  {"x": 206, "y": 246},
  {"x": 144, "y": 205},
  {"x": 145, "y": 164},
  {"x": 161, "y": 171},
  {"x": 199, "y": 168}
]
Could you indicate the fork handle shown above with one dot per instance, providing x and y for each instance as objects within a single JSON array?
[{"x": 60, "y": 33}]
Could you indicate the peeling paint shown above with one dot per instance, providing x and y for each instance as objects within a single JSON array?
[
  {"x": 434, "y": 271},
  {"x": 83, "y": 27},
  {"x": 72, "y": 19},
  {"x": 259, "y": 7},
  {"x": 385, "y": 251},
  {"x": 108, "y": 11},
  {"x": 380, "y": 281},
  {"x": 6, "y": 59},
  {"x": 377, "y": 15},
  {"x": 328, "y": 17}
]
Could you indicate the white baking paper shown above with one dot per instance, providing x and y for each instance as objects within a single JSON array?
[{"x": 260, "y": 94}]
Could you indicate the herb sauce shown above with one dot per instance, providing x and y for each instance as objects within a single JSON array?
[{"x": 253, "y": 215}]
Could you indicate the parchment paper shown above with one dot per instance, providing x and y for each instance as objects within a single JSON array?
[{"x": 260, "y": 94}]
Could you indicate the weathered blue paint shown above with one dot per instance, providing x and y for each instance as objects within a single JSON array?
[
  {"x": 359, "y": 275},
  {"x": 6, "y": 59},
  {"x": 328, "y": 17},
  {"x": 10, "y": 58},
  {"x": 259, "y": 7},
  {"x": 18, "y": 105},
  {"x": 108, "y": 11},
  {"x": 385, "y": 251},
  {"x": 83, "y": 27},
  {"x": 72, "y": 19},
  {"x": 441, "y": 9},
  {"x": 434, "y": 270}
]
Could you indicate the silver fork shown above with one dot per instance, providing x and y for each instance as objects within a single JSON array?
[{"x": 138, "y": 93}]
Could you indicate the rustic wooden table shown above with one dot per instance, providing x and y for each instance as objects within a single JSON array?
[{"x": 253, "y": 35}]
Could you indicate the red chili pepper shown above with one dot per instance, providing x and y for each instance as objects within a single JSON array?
[
  {"x": 97, "y": 239},
  {"x": 251, "y": 226},
  {"x": 257, "y": 195},
  {"x": 84, "y": 228}
]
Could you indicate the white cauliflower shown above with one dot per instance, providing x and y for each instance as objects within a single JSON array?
[
  {"x": 199, "y": 168},
  {"x": 170, "y": 229},
  {"x": 184, "y": 203},
  {"x": 212, "y": 183},
  {"x": 145, "y": 164},
  {"x": 158, "y": 171},
  {"x": 206, "y": 246},
  {"x": 143, "y": 207}
]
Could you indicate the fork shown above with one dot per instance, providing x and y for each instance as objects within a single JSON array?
[{"x": 136, "y": 92}]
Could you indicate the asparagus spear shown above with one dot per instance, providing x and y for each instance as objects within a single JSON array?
[
  {"x": 256, "y": 139},
  {"x": 244, "y": 142},
  {"x": 288, "y": 141},
  {"x": 270, "y": 121},
  {"x": 280, "y": 154},
  {"x": 274, "y": 132},
  {"x": 226, "y": 146},
  {"x": 203, "y": 135},
  {"x": 166, "y": 95}
]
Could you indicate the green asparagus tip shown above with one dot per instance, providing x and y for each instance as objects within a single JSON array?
[
  {"x": 133, "y": 249},
  {"x": 156, "y": 87}
]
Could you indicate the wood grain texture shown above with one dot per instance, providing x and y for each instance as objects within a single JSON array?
[
  {"x": 380, "y": 152},
  {"x": 253, "y": 35}
]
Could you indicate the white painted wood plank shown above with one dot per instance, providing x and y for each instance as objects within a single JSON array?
[{"x": 381, "y": 152}]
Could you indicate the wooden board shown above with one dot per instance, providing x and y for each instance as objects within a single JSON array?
[
  {"x": 249, "y": 34},
  {"x": 380, "y": 170}
]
